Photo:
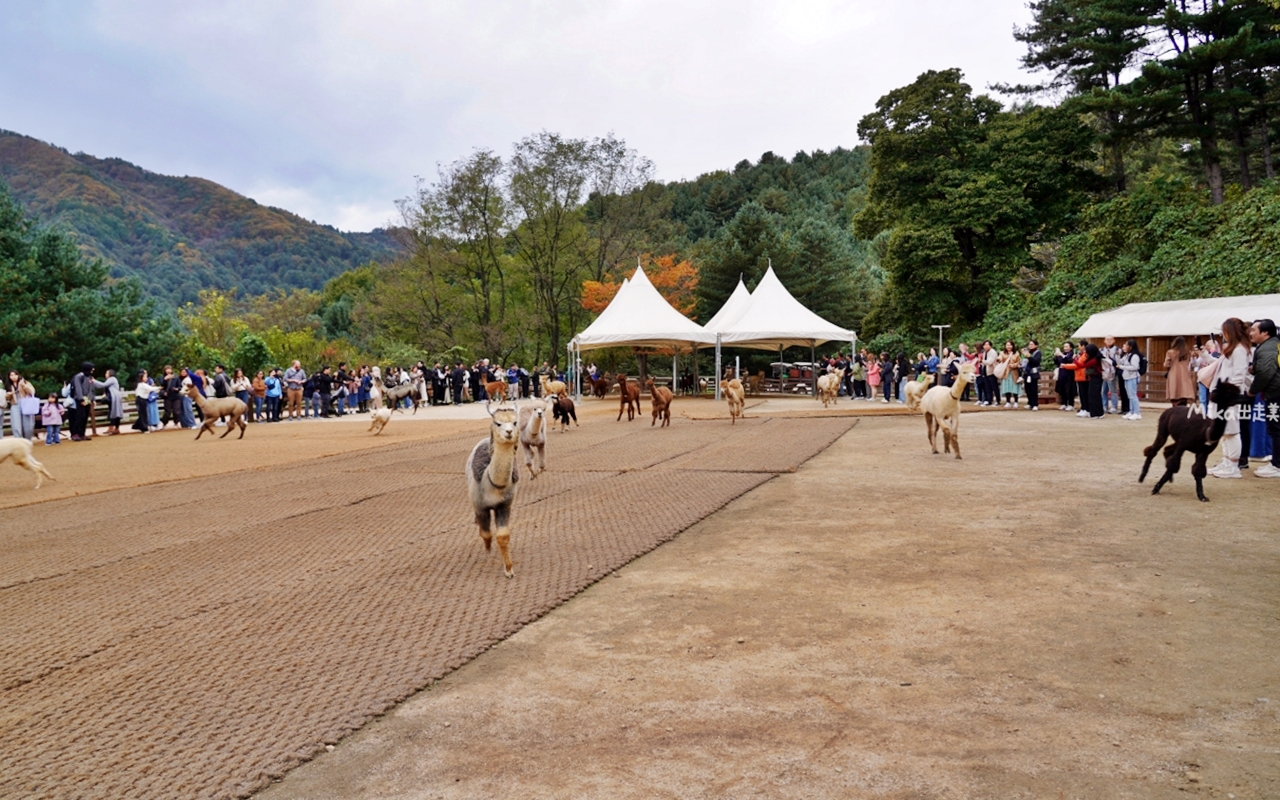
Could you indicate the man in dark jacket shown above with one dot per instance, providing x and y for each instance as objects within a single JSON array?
[
  {"x": 221, "y": 386},
  {"x": 81, "y": 400},
  {"x": 1266, "y": 381},
  {"x": 171, "y": 391},
  {"x": 456, "y": 379}
]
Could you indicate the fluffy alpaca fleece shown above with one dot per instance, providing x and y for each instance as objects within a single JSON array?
[
  {"x": 380, "y": 417},
  {"x": 20, "y": 451}
]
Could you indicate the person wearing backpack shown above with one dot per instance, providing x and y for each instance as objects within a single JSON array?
[
  {"x": 1266, "y": 381},
  {"x": 1130, "y": 364}
]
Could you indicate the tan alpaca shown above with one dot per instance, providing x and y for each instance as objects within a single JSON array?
[
  {"x": 941, "y": 406},
  {"x": 733, "y": 392},
  {"x": 19, "y": 450},
  {"x": 211, "y": 408}
]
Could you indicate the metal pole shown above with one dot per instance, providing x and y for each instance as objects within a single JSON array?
[
  {"x": 813, "y": 367},
  {"x": 716, "y": 377},
  {"x": 675, "y": 363},
  {"x": 737, "y": 367}
]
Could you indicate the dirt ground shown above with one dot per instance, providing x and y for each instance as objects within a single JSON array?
[
  {"x": 881, "y": 622},
  {"x": 1027, "y": 622}
]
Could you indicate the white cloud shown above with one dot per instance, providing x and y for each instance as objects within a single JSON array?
[{"x": 333, "y": 107}]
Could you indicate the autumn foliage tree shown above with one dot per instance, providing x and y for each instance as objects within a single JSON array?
[{"x": 676, "y": 281}]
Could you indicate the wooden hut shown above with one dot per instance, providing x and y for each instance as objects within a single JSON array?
[{"x": 1156, "y": 325}]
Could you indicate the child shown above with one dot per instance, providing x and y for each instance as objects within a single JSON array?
[{"x": 51, "y": 416}]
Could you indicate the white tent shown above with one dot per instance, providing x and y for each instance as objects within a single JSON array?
[
  {"x": 732, "y": 310},
  {"x": 770, "y": 318},
  {"x": 1178, "y": 317},
  {"x": 638, "y": 316},
  {"x": 776, "y": 319}
]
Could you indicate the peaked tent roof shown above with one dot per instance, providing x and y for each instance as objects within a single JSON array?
[
  {"x": 732, "y": 310},
  {"x": 638, "y": 316},
  {"x": 1179, "y": 317},
  {"x": 776, "y": 319}
]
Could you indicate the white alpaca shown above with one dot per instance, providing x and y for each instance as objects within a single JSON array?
[
  {"x": 380, "y": 417},
  {"x": 829, "y": 386},
  {"x": 941, "y": 406},
  {"x": 533, "y": 437},
  {"x": 19, "y": 450}
]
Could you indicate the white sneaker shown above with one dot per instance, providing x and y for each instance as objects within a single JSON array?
[
  {"x": 1008, "y": 405},
  {"x": 1082, "y": 413},
  {"x": 1135, "y": 416},
  {"x": 1267, "y": 471},
  {"x": 1035, "y": 408},
  {"x": 1232, "y": 472}
]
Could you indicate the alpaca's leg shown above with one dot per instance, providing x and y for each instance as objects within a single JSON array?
[
  {"x": 542, "y": 458},
  {"x": 955, "y": 435},
  {"x": 1171, "y": 465},
  {"x": 482, "y": 520},
  {"x": 502, "y": 516},
  {"x": 242, "y": 428},
  {"x": 1198, "y": 471},
  {"x": 1162, "y": 434}
]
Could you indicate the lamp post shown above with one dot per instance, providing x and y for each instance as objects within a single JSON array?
[{"x": 940, "y": 329}]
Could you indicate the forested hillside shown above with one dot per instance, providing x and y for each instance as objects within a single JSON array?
[{"x": 177, "y": 235}]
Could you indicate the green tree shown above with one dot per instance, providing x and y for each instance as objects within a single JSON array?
[
  {"x": 59, "y": 308},
  {"x": 965, "y": 189}
]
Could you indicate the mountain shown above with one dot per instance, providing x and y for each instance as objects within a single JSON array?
[{"x": 178, "y": 235}]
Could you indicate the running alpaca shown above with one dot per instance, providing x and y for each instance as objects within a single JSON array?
[
  {"x": 212, "y": 408},
  {"x": 1193, "y": 431},
  {"x": 19, "y": 450},
  {"x": 732, "y": 391},
  {"x": 376, "y": 390},
  {"x": 533, "y": 437},
  {"x": 497, "y": 390},
  {"x": 562, "y": 410},
  {"x": 380, "y": 416},
  {"x": 829, "y": 386},
  {"x": 660, "y": 397},
  {"x": 941, "y": 406},
  {"x": 550, "y": 387},
  {"x": 630, "y": 398},
  {"x": 915, "y": 391},
  {"x": 599, "y": 386},
  {"x": 395, "y": 394},
  {"x": 492, "y": 475}
]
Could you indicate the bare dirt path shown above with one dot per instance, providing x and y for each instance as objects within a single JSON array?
[
  {"x": 1027, "y": 622},
  {"x": 166, "y": 638}
]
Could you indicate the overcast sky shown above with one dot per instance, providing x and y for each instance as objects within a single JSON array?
[{"x": 330, "y": 109}]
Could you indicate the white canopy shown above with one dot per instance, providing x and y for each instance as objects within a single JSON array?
[
  {"x": 638, "y": 316},
  {"x": 732, "y": 310},
  {"x": 1178, "y": 317},
  {"x": 776, "y": 319}
]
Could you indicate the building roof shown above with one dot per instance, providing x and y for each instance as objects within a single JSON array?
[{"x": 1179, "y": 317}]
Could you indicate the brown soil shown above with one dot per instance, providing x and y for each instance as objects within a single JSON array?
[
  {"x": 881, "y": 622},
  {"x": 1027, "y": 622}
]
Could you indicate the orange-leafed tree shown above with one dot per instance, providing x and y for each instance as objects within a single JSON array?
[{"x": 676, "y": 281}]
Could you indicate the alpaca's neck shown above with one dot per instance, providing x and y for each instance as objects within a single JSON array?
[
  {"x": 957, "y": 388},
  {"x": 535, "y": 427},
  {"x": 502, "y": 457}
]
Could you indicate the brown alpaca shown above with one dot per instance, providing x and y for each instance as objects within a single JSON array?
[
  {"x": 211, "y": 408},
  {"x": 497, "y": 391},
  {"x": 630, "y": 398},
  {"x": 599, "y": 386},
  {"x": 660, "y": 397},
  {"x": 754, "y": 382},
  {"x": 1193, "y": 431}
]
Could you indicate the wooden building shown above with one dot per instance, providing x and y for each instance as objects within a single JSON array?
[{"x": 1156, "y": 325}]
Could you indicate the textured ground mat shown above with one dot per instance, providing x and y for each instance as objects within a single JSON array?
[{"x": 196, "y": 639}]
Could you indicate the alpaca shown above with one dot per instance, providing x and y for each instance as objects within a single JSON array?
[
  {"x": 630, "y": 398},
  {"x": 660, "y": 398},
  {"x": 732, "y": 390},
  {"x": 19, "y": 450},
  {"x": 941, "y": 406},
  {"x": 550, "y": 387},
  {"x": 533, "y": 437},
  {"x": 915, "y": 391},
  {"x": 829, "y": 386},
  {"x": 376, "y": 390},
  {"x": 754, "y": 382},
  {"x": 599, "y": 386},
  {"x": 492, "y": 475},
  {"x": 1192, "y": 430},
  {"x": 380, "y": 416},
  {"x": 395, "y": 394},
  {"x": 497, "y": 390},
  {"x": 562, "y": 410},
  {"x": 211, "y": 408}
]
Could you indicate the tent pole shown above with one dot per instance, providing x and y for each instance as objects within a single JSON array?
[
  {"x": 675, "y": 363},
  {"x": 813, "y": 368},
  {"x": 716, "y": 377}
]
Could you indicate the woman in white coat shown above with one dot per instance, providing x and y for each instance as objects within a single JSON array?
[{"x": 1232, "y": 367}]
